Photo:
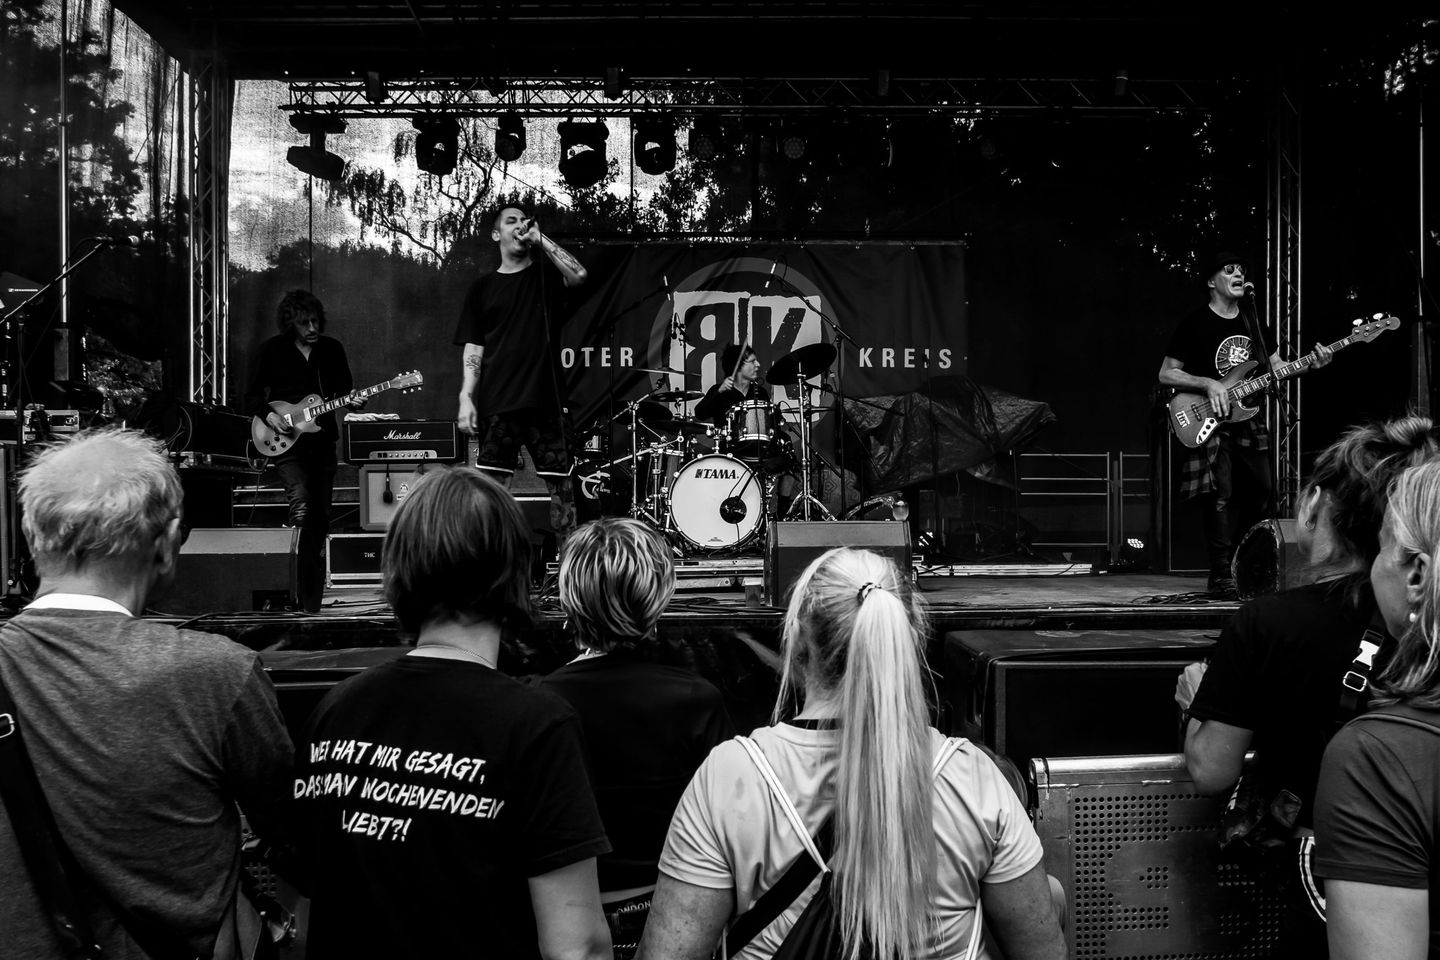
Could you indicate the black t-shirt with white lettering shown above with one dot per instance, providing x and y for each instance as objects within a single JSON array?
[
  {"x": 430, "y": 791},
  {"x": 507, "y": 313},
  {"x": 1209, "y": 345}
]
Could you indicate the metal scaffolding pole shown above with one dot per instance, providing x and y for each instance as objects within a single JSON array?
[
  {"x": 1282, "y": 275},
  {"x": 209, "y": 102}
]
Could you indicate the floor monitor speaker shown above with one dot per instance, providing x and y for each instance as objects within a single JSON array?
[
  {"x": 228, "y": 570},
  {"x": 793, "y": 544}
]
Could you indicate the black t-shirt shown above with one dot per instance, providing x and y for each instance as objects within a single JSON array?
[
  {"x": 647, "y": 729},
  {"x": 431, "y": 791},
  {"x": 1276, "y": 671},
  {"x": 506, "y": 314},
  {"x": 717, "y": 403},
  {"x": 282, "y": 372},
  {"x": 1209, "y": 345},
  {"x": 1377, "y": 818}
]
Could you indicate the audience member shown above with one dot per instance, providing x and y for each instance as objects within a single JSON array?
[
  {"x": 448, "y": 809},
  {"x": 143, "y": 737},
  {"x": 647, "y": 725},
  {"x": 1274, "y": 680},
  {"x": 1377, "y": 817},
  {"x": 924, "y": 828}
]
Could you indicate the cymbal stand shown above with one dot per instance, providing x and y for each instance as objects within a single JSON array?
[
  {"x": 806, "y": 498},
  {"x": 641, "y": 510}
]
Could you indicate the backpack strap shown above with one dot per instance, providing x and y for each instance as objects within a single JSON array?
[{"x": 799, "y": 875}]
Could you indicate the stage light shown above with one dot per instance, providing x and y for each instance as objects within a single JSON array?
[
  {"x": 654, "y": 145},
  {"x": 315, "y": 160},
  {"x": 705, "y": 138},
  {"x": 375, "y": 89},
  {"x": 582, "y": 152},
  {"x": 792, "y": 144},
  {"x": 510, "y": 137},
  {"x": 437, "y": 144},
  {"x": 613, "y": 85}
]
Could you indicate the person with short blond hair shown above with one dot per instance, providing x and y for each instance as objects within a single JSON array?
[
  {"x": 144, "y": 738},
  {"x": 448, "y": 808},
  {"x": 648, "y": 725}
]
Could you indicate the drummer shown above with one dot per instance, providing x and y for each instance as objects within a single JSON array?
[{"x": 742, "y": 382}]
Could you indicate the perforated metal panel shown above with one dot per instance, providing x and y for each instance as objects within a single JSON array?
[{"x": 1135, "y": 847}]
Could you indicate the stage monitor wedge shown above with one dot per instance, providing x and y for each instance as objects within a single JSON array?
[
  {"x": 232, "y": 570},
  {"x": 792, "y": 545}
]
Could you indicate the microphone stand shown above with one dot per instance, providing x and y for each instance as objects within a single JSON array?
[
  {"x": 840, "y": 339},
  {"x": 1272, "y": 388}
]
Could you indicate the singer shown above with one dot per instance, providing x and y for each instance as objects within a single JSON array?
[
  {"x": 1231, "y": 471},
  {"x": 510, "y": 389}
]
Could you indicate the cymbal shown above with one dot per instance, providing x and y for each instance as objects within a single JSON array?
[
  {"x": 668, "y": 370},
  {"x": 675, "y": 396},
  {"x": 682, "y": 425},
  {"x": 808, "y": 361}
]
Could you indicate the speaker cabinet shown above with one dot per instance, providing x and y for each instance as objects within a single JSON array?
[
  {"x": 233, "y": 569},
  {"x": 378, "y": 479},
  {"x": 791, "y": 545}
]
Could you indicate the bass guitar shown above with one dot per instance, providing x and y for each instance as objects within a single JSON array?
[
  {"x": 300, "y": 417},
  {"x": 1193, "y": 418}
]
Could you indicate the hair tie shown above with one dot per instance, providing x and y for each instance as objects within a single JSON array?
[{"x": 864, "y": 591}]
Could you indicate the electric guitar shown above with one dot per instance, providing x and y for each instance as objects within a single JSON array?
[
  {"x": 1192, "y": 417},
  {"x": 300, "y": 417}
]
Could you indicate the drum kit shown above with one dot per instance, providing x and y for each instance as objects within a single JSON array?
[{"x": 710, "y": 488}]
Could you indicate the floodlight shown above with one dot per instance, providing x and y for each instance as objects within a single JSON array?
[
  {"x": 654, "y": 145},
  {"x": 437, "y": 144},
  {"x": 315, "y": 160},
  {"x": 582, "y": 152},
  {"x": 510, "y": 137}
]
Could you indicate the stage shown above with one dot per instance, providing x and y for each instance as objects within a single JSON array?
[{"x": 734, "y": 641}]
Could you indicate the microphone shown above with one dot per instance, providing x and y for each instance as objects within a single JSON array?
[
  {"x": 117, "y": 240},
  {"x": 1249, "y": 289},
  {"x": 387, "y": 496}
]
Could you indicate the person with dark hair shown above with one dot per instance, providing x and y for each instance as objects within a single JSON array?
[
  {"x": 1377, "y": 810},
  {"x": 293, "y": 364},
  {"x": 510, "y": 387},
  {"x": 740, "y": 380},
  {"x": 144, "y": 738},
  {"x": 1274, "y": 682},
  {"x": 926, "y": 830},
  {"x": 647, "y": 725},
  {"x": 1231, "y": 470},
  {"x": 447, "y": 806}
]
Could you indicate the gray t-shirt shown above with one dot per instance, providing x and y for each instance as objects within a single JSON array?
[{"x": 144, "y": 739}]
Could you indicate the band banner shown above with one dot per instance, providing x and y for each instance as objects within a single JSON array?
[{"x": 658, "y": 316}]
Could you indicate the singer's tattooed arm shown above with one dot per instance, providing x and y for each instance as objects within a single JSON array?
[
  {"x": 470, "y": 378},
  {"x": 569, "y": 267}
]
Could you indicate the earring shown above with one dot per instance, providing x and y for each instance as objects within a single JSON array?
[
  {"x": 1310, "y": 524},
  {"x": 1414, "y": 616}
]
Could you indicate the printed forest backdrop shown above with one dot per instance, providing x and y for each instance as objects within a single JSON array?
[{"x": 1048, "y": 252}]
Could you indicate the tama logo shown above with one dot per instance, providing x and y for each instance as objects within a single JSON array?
[
  {"x": 708, "y": 473},
  {"x": 400, "y": 435}
]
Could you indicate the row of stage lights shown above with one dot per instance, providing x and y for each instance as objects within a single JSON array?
[{"x": 583, "y": 158}]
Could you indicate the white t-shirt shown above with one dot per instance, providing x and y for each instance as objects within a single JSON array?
[{"x": 729, "y": 832}]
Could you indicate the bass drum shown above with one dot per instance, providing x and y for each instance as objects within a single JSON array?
[{"x": 715, "y": 502}]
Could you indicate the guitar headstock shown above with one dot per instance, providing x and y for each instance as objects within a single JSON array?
[
  {"x": 408, "y": 381},
  {"x": 1368, "y": 330}
]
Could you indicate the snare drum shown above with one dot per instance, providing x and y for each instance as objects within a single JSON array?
[
  {"x": 751, "y": 424},
  {"x": 715, "y": 502}
]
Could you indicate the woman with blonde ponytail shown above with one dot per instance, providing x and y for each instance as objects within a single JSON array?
[
  {"x": 1377, "y": 814},
  {"x": 924, "y": 829}
]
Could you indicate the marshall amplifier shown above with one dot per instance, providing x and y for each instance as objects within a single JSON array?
[{"x": 369, "y": 440}]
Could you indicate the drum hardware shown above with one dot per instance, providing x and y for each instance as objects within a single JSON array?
[
  {"x": 797, "y": 367},
  {"x": 675, "y": 396}
]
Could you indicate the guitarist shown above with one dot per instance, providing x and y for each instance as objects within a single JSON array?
[
  {"x": 297, "y": 362},
  {"x": 1231, "y": 471}
]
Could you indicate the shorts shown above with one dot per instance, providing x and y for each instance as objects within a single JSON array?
[{"x": 542, "y": 433}]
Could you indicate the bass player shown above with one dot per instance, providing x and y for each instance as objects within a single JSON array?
[{"x": 1230, "y": 472}]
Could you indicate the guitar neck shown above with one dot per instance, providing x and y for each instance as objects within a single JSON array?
[
  {"x": 1285, "y": 370},
  {"x": 321, "y": 409}
]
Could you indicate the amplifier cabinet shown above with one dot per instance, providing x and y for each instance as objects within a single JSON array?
[
  {"x": 378, "y": 479},
  {"x": 369, "y": 440}
]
